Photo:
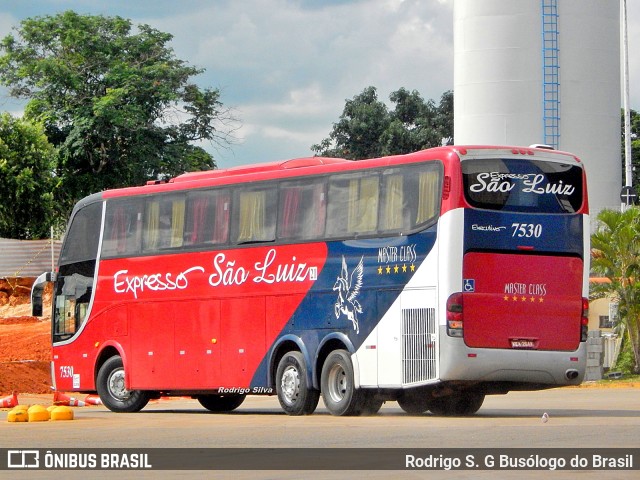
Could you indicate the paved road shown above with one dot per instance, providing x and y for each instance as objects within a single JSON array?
[{"x": 578, "y": 417}]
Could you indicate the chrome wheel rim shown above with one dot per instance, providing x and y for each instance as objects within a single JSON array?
[
  {"x": 290, "y": 385},
  {"x": 116, "y": 385},
  {"x": 337, "y": 384}
]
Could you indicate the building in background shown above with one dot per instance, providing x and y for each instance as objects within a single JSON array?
[{"x": 543, "y": 71}]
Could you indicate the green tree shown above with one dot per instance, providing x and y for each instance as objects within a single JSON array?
[
  {"x": 615, "y": 249},
  {"x": 114, "y": 100},
  {"x": 26, "y": 181},
  {"x": 367, "y": 128}
]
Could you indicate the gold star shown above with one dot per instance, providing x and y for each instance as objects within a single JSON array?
[
  {"x": 396, "y": 269},
  {"x": 388, "y": 269},
  {"x": 404, "y": 268},
  {"x": 413, "y": 267},
  {"x": 524, "y": 299},
  {"x": 506, "y": 298},
  {"x": 533, "y": 299},
  {"x": 380, "y": 270},
  {"x": 515, "y": 299},
  {"x": 541, "y": 299}
]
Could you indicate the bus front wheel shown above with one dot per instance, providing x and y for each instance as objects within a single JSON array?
[
  {"x": 294, "y": 395},
  {"x": 340, "y": 395},
  {"x": 110, "y": 384}
]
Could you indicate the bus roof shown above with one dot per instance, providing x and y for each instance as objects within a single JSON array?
[
  {"x": 319, "y": 165},
  {"x": 259, "y": 167}
]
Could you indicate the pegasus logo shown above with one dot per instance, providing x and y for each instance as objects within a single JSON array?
[{"x": 348, "y": 288}]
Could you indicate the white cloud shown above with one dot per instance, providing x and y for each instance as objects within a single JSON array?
[
  {"x": 288, "y": 69},
  {"x": 287, "y": 66}
]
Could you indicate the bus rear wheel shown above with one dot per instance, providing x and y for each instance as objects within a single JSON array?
[
  {"x": 340, "y": 395},
  {"x": 220, "y": 403},
  {"x": 414, "y": 402},
  {"x": 294, "y": 395},
  {"x": 110, "y": 384},
  {"x": 461, "y": 404},
  {"x": 370, "y": 403}
]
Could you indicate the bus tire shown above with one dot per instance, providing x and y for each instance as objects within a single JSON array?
[
  {"x": 221, "y": 403},
  {"x": 371, "y": 403},
  {"x": 461, "y": 404},
  {"x": 414, "y": 402},
  {"x": 110, "y": 384},
  {"x": 338, "y": 386},
  {"x": 294, "y": 395},
  {"x": 469, "y": 403}
]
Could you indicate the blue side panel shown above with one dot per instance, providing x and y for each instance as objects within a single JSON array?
[
  {"x": 359, "y": 282},
  {"x": 490, "y": 230}
]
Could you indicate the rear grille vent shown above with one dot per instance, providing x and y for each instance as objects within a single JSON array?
[{"x": 418, "y": 345}]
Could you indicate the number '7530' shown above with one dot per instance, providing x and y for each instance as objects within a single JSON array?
[{"x": 526, "y": 230}]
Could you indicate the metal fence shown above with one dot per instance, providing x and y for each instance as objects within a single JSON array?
[{"x": 27, "y": 258}]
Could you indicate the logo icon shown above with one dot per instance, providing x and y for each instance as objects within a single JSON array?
[
  {"x": 23, "y": 459},
  {"x": 469, "y": 285},
  {"x": 348, "y": 288}
]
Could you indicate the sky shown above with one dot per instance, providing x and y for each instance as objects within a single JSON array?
[{"x": 286, "y": 67}]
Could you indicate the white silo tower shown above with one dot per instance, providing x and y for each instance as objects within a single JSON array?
[{"x": 542, "y": 71}]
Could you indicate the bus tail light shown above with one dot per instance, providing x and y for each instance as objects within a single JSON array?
[
  {"x": 454, "y": 315},
  {"x": 584, "y": 320},
  {"x": 446, "y": 187}
]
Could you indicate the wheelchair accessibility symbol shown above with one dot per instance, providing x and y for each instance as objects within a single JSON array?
[{"x": 469, "y": 285}]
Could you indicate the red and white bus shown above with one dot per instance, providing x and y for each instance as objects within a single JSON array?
[{"x": 432, "y": 279}]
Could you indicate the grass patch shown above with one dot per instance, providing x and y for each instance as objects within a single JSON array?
[{"x": 626, "y": 378}]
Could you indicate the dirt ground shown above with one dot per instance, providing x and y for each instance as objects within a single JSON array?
[{"x": 25, "y": 347}]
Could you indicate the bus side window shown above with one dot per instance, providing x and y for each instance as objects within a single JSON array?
[
  {"x": 207, "y": 218},
  {"x": 164, "y": 222},
  {"x": 394, "y": 209},
  {"x": 301, "y": 210},
  {"x": 428, "y": 196},
  {"x": 122, "y": 232},
  {"x": 353, "y": 205},
  {"x": 255, "y": 210}
]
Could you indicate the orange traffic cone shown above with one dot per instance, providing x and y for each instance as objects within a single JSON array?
[
  {"x": 10, "y": 401},
  {"x": 62, "y": 399},
  {"x": 92, "y": 400},
  {"x": 74, "y": 402}
]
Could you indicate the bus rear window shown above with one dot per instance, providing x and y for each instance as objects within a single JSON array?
[{"x": 518, "y": 185}]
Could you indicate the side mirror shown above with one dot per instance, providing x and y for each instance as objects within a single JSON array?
[{"x": 36, "y": 293}]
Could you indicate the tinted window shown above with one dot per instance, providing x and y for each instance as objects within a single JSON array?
[
  {"x": 353, "y": 204},
  {"x": 207, "y": 221},
  {"x": 378, "y": 202},
  {"x": 302, "y": 209},
  {"x": 255, "y": 214},
  {"x": 163, "y": 222},
  {"x": 519, "y": 185},
  {"x": 410, "y": 197},
  {"x": 81, "y": 242},
  {"x": 123, "y": 227}
]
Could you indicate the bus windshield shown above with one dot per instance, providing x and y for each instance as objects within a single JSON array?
[{"x": 517, "y": 185}]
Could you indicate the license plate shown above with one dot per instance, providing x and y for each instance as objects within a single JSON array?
[{"x": 523, "y": 343}]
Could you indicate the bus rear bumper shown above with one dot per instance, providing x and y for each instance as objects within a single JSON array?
[{"x": 554, "y": 368}]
